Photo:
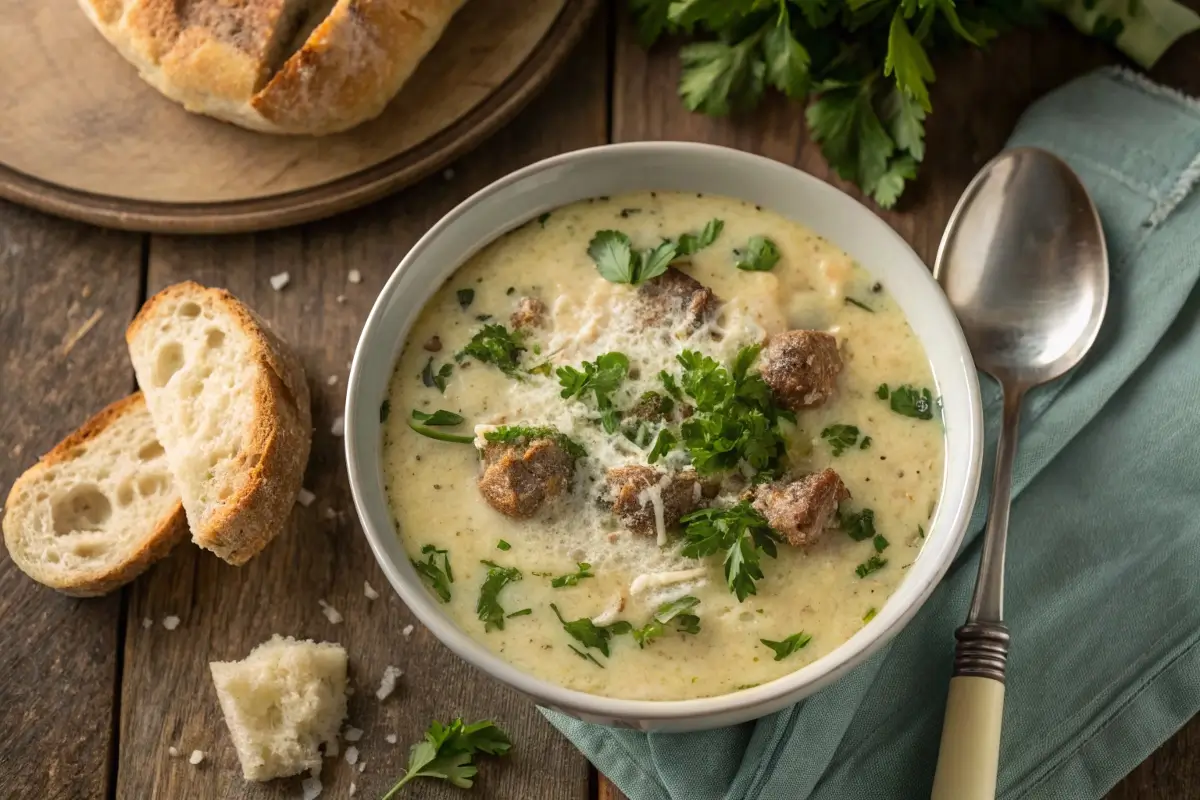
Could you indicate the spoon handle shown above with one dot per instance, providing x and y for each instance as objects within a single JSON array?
[{"x": 970, "y": 750}]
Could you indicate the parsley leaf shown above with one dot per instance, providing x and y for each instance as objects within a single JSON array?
[
  {"x": 850, "y": 301},
  {"x": 859, "y": 525},
  {"x": 385, "y": 410},
  {"x": 446, "y": 752},
  {"x": 791, "y": 644},
  {"x": 491, "y": 613},
  {"x": 844, "y": 122},
  {"x": 912, "y": 402},
  {"x": 495, "y": 345},
  {"x": 676, "y": 610},
  {"x": 872, "y": 564},
  {"x": 663, "y": 444},
  {"x": 690, "y": 243},
  {"x": 870, "y": 615},
  {"x": 840, "y": 437},
  {"x": 465, "y": 298},
  {"x": 882, "y": 391},
  {"x": 718, "y": 77},
  {"x": 787, "y": 60},
  {"x": 759, "y": 255},
  {"x": 438, "y": 577},
  {"x": 740, "y": 534},
  {"x": 880, "y": 543},
  {"x": 668, "y": 382},
  {"x": 439, "y": 378},
  {"x": 522, "y": 434},
  {"x": 651, "y": 19},
  {"x": 600, "y": 378},
  {"x": 503, "y": 545},
  {"x": 573, "y": 579},
  {"x": 589, "y": 634},
  {"x": 617, "y": 261},
  {"x": 907, "y": 60},
  {"x": 439, "y": 417}
]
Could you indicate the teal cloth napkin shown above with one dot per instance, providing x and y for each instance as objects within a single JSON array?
[{"x": 1104, "y": 548}]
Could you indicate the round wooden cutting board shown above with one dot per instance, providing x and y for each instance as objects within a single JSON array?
[{"x": 82, "y": 136}]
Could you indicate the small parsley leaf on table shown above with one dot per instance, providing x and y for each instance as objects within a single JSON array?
[
  {"x": 447, "y": 752},
  {"x": 791, "y": 644},
  {"x": 491, "y": 613},
  {"x": 759, "y": 255},
  {"x": 572, "y": 579},
  {"x": 438, "y": 576},
  {"x": 739, "y": 534}
]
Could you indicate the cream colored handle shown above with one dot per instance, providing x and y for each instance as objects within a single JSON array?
[{"x": 970, "y": 752}]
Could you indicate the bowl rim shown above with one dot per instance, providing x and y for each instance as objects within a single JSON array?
[{"x": 361, "y": 416}]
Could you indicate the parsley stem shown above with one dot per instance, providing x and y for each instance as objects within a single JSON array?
[{"x": 441, "y": 435}]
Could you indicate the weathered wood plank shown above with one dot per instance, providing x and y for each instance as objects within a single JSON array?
[
  {"x": 167, "y": 696},
  {"x": 975, "y": 112},
  {"x": 58, "y": 656}
]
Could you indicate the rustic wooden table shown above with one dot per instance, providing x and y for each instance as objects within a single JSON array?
[{"x": 90, "y": 700}]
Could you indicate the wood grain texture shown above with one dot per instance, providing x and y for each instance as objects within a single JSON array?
[
  {"x": 162, "y": 169},
  {"x": 167, "y": 696},
  {"x": 58, "y": 655}
]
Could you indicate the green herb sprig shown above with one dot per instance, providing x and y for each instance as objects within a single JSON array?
[
  {"x": 447, "y": 753},
  {"x": 600, "y": 378},
  {"x": 439, "y": 418},
  {"x": 491, "y": 613},
  {"x": 678, "y": 611},
  {"x": 583, "y": 570},
  {"x": 438, "y": 576},
  {"x": 591, "y": 635},
  {"x": 740, "y": 535},
  {"x": 783, "y": 649},
  {"x": 495, "y": 345}
]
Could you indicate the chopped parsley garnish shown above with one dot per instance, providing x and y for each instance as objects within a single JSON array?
[
  {"x": 520, "y": 434},
  {"x": 524, "y": 612},
  {"x": 669, "y": 383},
  {"x": 503, "y": 545},
  {"x": 740, "y": 534},
  {"x": 859, "y": 525},
  {"x": 440, "y": 418},
  {"x": 589, "y": 634},
  {"x": 870, "y": 615},
  {"x": 840, "y": 437},
  {"x": 662, "y": 445},
  {"x": 865, "y": 444},
  {"x": 921, "y": 531},
  {"x": 447, "y": 751},
  {"x": 491, "y": 613},
  {"x": 850, "y": 301},
  {"x": 690, "y": 242},
  {"x": 759, "y": 255},
  {"x": 572, "y": 579},
  {"x": 439, "y": 577},
  {"x": 465, "y": 298},
  {"x": 545, "y": 369},
  {"x": 872, "y": 564},
  {"x": 908, "y": 400},
  {"x": 677, "y": 610},
  {"x": 495, "y": 345},
  {"x": 585, "y": 656},
  {"x": 880, "y": 543},
  {"x": 439, "y": 378},
  {"x": 735, "y": 420},
  {"x": 600, "y": 378},
  {"x": 385, "y": 408},
  {"x": 617, "y": 261},
  {"x": 542, "y": 218},
  {"x": 791, "y": 644}
]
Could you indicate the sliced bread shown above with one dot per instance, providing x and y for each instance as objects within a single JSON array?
[
  {"x": 99, "y": 508},
  {"x": 281, "y": 703},
  {"x": 231, "y": 408}
]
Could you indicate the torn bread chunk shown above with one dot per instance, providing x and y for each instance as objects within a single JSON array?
[{"x": 281, "y": 703}]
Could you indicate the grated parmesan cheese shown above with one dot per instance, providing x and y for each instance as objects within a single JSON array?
[
  {"x": 370, "y": 592},
  {"x": 305, "y": 498},
  {"x": 654, "y": 580},
  {"x": 196, "y": 757},
  {"x": 279, "y": 281},
  {"x": 352, "y": 734},
  {"x": 351, "y": 755},
  {"x": 387, "y": 684},
  {"x": 331, "y": 613},
  {"x": 171, "y": 622}
]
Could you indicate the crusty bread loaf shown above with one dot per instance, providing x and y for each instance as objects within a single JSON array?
[
  {"x": 281, "y": 703},
  {"x": 99, "y": 508},
  {"x": 231, "y": 408},
  {"x": 280, "y": 66}
]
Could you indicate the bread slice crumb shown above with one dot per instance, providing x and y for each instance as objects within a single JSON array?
[
  {"x": 339, "y": 426},
  {"x": 362, "y": 765},
  {"x": 305, "y": 498},
  {"x": 390, "y": 738},
  {"x": 281, "y": 704},
  {"x": 369, "y": 591},
  {"x": 407, "y": 632},
  {"x": 353, "y": 789},
  {"x": 352, "y": 734},
  {"x": 387, "y": 684},
  {"x": 311, "y": 787},
  {"x": 341, "y": 298},
  {"x": 331, "y": 613},
  {"x": 147, "y": 623},
  {"x": 352, "y": 755},
  {"x": 196, "y": 757},
  {"x": 331, "y": 380},
  {"x": 279, "y": 281},
  {"x": 171, "y": 622},
  {"x": 173, "y": 751},
  {"x": 355, "y": 276}
]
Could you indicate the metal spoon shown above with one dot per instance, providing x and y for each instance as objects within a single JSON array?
[{"x": 1024, "y": 264}]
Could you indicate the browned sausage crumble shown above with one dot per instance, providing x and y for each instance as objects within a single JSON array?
[
  {"x": 529, "y": 313},
  {"x": 802, "y": 368},
  {"x": 672, "y": 292},
  {"x": 680, "y": 495},
  {"x": 519, "y": 478},
  {"x": 800, "y": 510}
]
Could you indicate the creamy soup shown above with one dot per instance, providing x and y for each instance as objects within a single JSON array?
[{"x": 564, "y": 543}]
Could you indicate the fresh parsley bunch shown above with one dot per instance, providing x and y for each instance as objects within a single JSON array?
[
  {"x": 448, "y": 752},
  {"x": 862, "y": 65}
]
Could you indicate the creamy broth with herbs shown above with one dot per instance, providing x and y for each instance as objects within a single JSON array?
[{"x": 593, "y": 581}]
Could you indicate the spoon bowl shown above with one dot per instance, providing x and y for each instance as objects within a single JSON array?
[{"x": 1024, "y": 264}]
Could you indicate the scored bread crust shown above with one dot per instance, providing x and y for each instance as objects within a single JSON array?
[
  {"x": 280, "y": 430},
  {"x": 218, "y": 59},
  {"x": 164, "y": 533}
]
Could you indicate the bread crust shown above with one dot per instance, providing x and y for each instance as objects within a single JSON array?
[
  {"x": 280, "y": 430},
  {"x": 346, "y": 71},
  {"x": 168, "y": 531}
]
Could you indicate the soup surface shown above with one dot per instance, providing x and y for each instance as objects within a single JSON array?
[{"x": 592, "y": 582}]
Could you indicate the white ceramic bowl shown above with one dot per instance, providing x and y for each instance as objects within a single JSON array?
[{"x": 666, "y": 166}]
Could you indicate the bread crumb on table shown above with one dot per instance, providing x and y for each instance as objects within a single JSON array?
[
  {"x": 352, "y": 734},
  {"x": 147, "y": 623},
  {"x": 171, "y": 622},
  {"x": 341, "y": 298},
  {"x": 305, "y": 498},
  {"x": 369, "y": 591},
  {"x": 173, "y": 751},
  {"x": 196, "y": 757},
  {"x": 311, "y": 787},
  {"x": 355, "y": 276},
  {"x": 279, "y": 281},
  {"x": 390, "y": 738},
  {"x": 330, "y": 513},
  {"x": 353, "y": 789},
  {"x": 352, "y": 755},
  {"x": 331, "y": 613},
  {"x": 362, "y": 765},
  {"x": 387, "y": 684},
  {"x": 332, "y": 380},
  {"x": 407, "y": 632},
  {"x": 339, "y": 426}
]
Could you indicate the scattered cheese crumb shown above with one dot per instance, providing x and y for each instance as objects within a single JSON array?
[
  {"x": 331, "y": 613},
  {"x": 362, "y": 765},
  {"x": 196, "y": 757},
  {"x": 341, "y": 298},
  {"x": 171, "y": 622},
  {"x": 352, "y": 734},
  {"x": 390, "y": 738},
  {"x": 353, "y": 789},
  {"x": 330, "y": 513},
  {"x": 331, "y": 380},
  {"x": 311, "y": 788},
  {"x": 279, "y": 281},
  {"x": 339, "y": 426},
  {"x": 355, "y": 276},
  {"x": 147, "y": 623},
  {"x": 407, "y": 632},
  {"x": 448, "y": 174},
  {"x": 305, "y": 498},
  {"x": 370, "y": 592},
  {"x": 351, "y": 755},
  {"x": 387, "y": 684},
  {"x": 173, "y": 751}
]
